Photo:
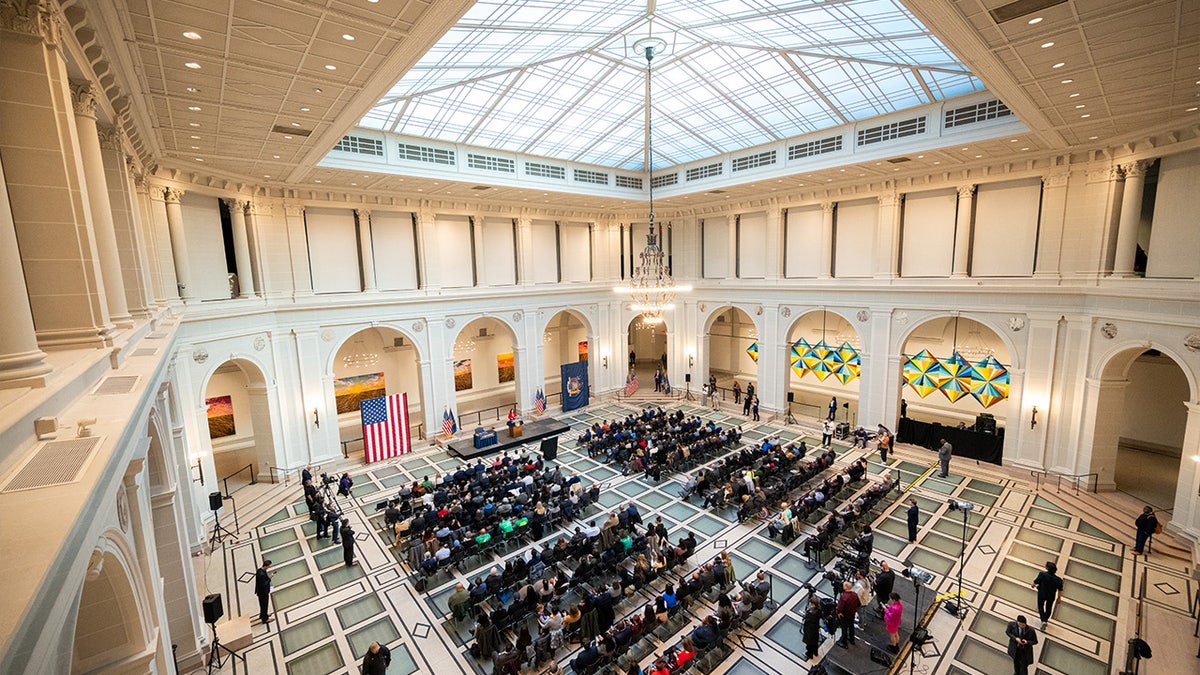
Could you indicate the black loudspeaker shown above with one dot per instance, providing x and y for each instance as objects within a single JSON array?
[
  {"x": 791, "y": 397},
  {"x": 213, "y": 608},
  {"x": 919, "y": 636},
  {"x": 985, "y": 423},
  {"x": 549, "y": 449},
  {"x": 881, "y": 657},
  {"x": 687, "y": 377},
  {"x": 215, "y": 500}
]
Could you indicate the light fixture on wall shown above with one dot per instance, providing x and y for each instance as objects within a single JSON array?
[
  {"x": 1033, "y": 418},
  {"x": 359, "y": 357},
  {"x": 604, "y": 360},
  {"x": 199, "y": 470},
  {"x": 316, "y": 418},
  {"x": 651, "y": 285},
  {"x": 691, "y": 360}
]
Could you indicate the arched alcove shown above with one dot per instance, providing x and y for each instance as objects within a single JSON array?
[
  {"x": 732, "y": 344},
  {"x": 109, "y": 625},
  {"x": 649, "y": 349},
  {"x": 824, "y": 362},
  {"x": 953, "y": 369},
  {"x": 485, "y": 365},
  {"x": 374, "y": 362},
  {"x": 564, "y": 340},
  {"x": 239, "y": 419}
]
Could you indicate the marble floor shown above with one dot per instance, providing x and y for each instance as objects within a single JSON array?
[{"x": 326, "y": 613}]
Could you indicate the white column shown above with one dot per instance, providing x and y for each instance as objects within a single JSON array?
[
  {"x": 1187, "y": 492},
  {"x": 298, "y": 247},
  {"x": 166, "y": 280},
  {"x": 124, "y": 215},
  {"x": 84, "y": 103},
  {"x": 241, "y": 247},
  {"x": 826, "y": 263},
  {"x": 171, "y": 198},
  {"x": 964, "y": 223},
  {"x": 366, "y": 249},
  {"x": 1131, "y": 216},
  {"x": 257, "y": 214},
  {"x": 887, "y": 239},
  {"x": 1050, "y": 231},
  {"x": 21, "y": 362}
]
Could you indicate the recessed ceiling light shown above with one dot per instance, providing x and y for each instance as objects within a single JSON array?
[
  {"x": 1058, "y": 65},
  {"x": 920, "y": 156},
  {"x": 305, "y": 109},
  {"x": 1067, "y": 81},
  {"x": 330, "y": 66},
  {"x": 1036, "y": 19},
  {"x": 937, "y": 162},
  {"x": 372, "y": 1},
  {"x": 195, "y": 147},
  {"x": 1047, "y": 44},
  {"x": 266, "y": 176},
  {"x": 978, "y": 156},
  {"x": 1084, "y": 116},
  {"x": 196, "y": 137},
  {"x": 348, "y": 37},
  {"x": 317, "y": 90},
  {"x": 288, "y": 138},
  {"x": 1192, "y": 109},
  {"x": 199, "y": 159},
  {"x": 275, "y": 156},
  {"x": 354, "y": 184},
  {"x": 192, "y": 90},
  {"x": 316, "y": 181},
  {"x": 965, "y": 149},
  {"x": 1073, "y": 95},
  {"x": 193, "y": 124},
  {"x": 842, "y": 170},
  {"x": 1024, "y": 149},
  {"x": 194, "y": 108},
  {"x": 191, "y": 35},
  {"x": 193, "y": 65},
  {"x": 295, "y": 124},
  {"x": 1092, "y": 138}
]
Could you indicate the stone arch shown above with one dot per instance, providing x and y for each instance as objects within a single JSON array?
[
  {"x": 247, "y": 436},
  {"x": 159, "y": 467},
  {"x": 487, "y": 384},
  {"x": 1015, "y": 353},
  {"x": 113, "y": 619},
  {"x": 372, "y": 350},
  {"x": 811, "y": 394},
  {"x": 560, "y": 345},
  {"x": 726, "y": 354},
  {"x": 409, "y": 337}
]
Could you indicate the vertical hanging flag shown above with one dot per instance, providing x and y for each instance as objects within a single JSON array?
[
  {"x": 385, "y": 423},
  {"x": 631, "y": 384},
  {"x": 539, "y": 402},
  {"x": 575, "y": 393},
  {"x": 449, "y": 426}
]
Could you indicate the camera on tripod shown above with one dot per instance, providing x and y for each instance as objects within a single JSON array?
[{"x": 326, "y": 479}]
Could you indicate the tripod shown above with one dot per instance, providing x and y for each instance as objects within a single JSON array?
[
  {"x": 219, "y": 532},
  {"x": 790, "y": 419},
  {"x": 215, "y": 659},
  {"x": 912, "y": 651},
  {"x": 959, "y": 607},
  {"x": 687, "y": 390}
]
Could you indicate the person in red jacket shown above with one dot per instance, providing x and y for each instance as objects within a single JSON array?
[{"x": 847, "y": 608}]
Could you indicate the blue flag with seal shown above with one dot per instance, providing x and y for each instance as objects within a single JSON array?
[{"x": 574, "y": 385}]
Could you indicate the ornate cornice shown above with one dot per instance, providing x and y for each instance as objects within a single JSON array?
[
  {"x": 293, "y": 210},
  {"x": 172, "y": 195},
  {"x": 236, "y": 204},
  {"x": 1057, "y": 179},
  {"x": 31, "y": 17},
  {"x": 827, "y": 207},
  {"x": 83, "y": 99}
]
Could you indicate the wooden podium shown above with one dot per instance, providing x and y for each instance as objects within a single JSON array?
[{"x": 515, "y": 430}]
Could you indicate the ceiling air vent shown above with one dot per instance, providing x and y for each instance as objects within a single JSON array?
[
  {"x": 892, "y": 131},
  {"x": 540, "y": 170},
  {"x": 628, "y": 182},
  {"x": 899, "y": 160},
  {"x": 54, "y": 463},
  {"x": 291, "y": 131},
  {"x": 360, "y": 145},
  {"x": 117, "y": 384},
  {"x": 754, "y": 161},
  {"x": 593, "y": 177},
  {"x": 979, "y": 112},
  {"x": 491, "y": 163},
  {"x": 422, "y": 153},
  {"x": 706, "y": 171},
  {"x": 665, "y": 180},
  {"x": 813, "y": 148},
  {"x": 1020, "y": 8}
]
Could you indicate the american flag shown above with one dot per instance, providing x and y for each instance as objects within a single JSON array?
[
  {"x": 449, "y": 426},
  {"x": 631, "y": 384},
  {"x": 385, "y": 427},
  {"x": 539, "y": 402}
]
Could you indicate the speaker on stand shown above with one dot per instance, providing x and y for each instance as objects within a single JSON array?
[
  {"x": 790, "y": 419},
  {"x": 687, "y": 387},
  {"x": 219, "y": 532},
  {"x": 213, "y": 611}
]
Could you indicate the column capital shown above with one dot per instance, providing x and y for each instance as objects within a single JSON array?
[
  {"x": 967, "y": 191},
  {"x": 362, "y": 213},
  {"x": 1057, "y": 179},
  {"x": 111, "y": 138},
  {"x": 253, "y": 208},
  {"x": 1135, "y": 169},
  {"x": 31, "y": 17},
  {"x": 827, "y": 207},
  {"x": 83, "y": 98},
  {"x": 889, "y": 199},
  {"x": 172, "y": 195},
  {"x": 294, "y": 210},
  {"x": 236, "y": 204}
]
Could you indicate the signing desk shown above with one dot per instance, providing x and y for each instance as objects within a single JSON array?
[
  {"x": 969, "y": 444},
  {"x": 493, "y": 443}
]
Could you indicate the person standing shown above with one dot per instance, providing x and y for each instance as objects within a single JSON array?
[
  {"x": 632, "y": 359},
  {"x": 944, "y": 454},
  {"x": 885, "y": 443},
  {"x": 812, "y": 629},
  {"x": 827, "y": 432},
  {"x": 847, "y": 608},
  {"x": 754, "y": 408},
  {"x": 832, "y": 407},
  {"x": 376, "y": 660},
  {"x": 1147, "y": 526},
  {"x": 885, "y": 581},
  {"x": 914, "y": 513},
  {"x": 1021, "y": 639},
  {"x": 262, "y": 588},
  {"x": 737, "y": 393},
  {"x": 1049, "y": 590},
  {"x": 348, "y": 543},
  {"x": 892, "y": 614}
]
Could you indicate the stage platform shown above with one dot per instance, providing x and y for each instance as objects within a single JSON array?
[
  {"x": 870, "y": 635},
  {"x": 534, "y": 432}
]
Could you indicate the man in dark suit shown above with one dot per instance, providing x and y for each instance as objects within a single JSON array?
[
  {"x": 262, "y": 588},
  {"x": 1049, "y": 589},
  {"x": 348, "y": 543},
  {"x": 914, "y": 513},
  {"x": 1021, "y": 639},
  {"x": 376, "y": 660}
]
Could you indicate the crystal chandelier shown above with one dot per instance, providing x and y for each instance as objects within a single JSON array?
[
  {"x": 464, "y": 344},
  {"x": 360, "y": 357},
  {"x": 651, "y": 286}
]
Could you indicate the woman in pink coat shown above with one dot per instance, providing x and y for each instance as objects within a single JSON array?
[{"x": 891, "y": 621}]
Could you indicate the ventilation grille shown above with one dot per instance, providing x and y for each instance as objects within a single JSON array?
[
  {"x": 890, "y": 132},
  {"x": 117, "y": 384},
  {"x": 156, "y": 336},
  {"x": 54, "y": 463},
  {"x": 1020, "y": 8},
  {"x": 491, "y": 163},
  {"x": 665, "y": 179},
  {"x": 539, "y": 170},
  {"x": 421, "y": 153},
  {"x": 628, "y": 182},
  {"x": 593, "y": 177},
  {"x": 813, "y": 148},
  {"x": 706, "y": 171},
  {"x": 144, "y": 352},
  {"x": 360, "y": 145},
  {"x": 291, "y": 131},
  {"x": 754, "y": 161},
  {"x": 980, "y": 112}
]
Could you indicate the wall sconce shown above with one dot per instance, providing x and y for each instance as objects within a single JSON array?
[
  {"x": 199, "y": 471},
  {"x": 691, "y": 360},
  {"x": 1033, "y": 418},
  {"x": 316, "y": 418},
  {"x": 604, "y": 360}
]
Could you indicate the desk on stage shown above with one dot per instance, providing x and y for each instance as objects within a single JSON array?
[
  {"x": 968, "y": 444},
  {"x": 532, "y": 432}
]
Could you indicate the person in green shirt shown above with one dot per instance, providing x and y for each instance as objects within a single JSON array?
[
  {"x": 506, "y": 526},
  {"x": 483, "y": 537}
]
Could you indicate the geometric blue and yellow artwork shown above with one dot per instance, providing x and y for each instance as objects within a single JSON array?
[
  {"x": 842, "y": 362},
  {"x": 986, "y": 381},
  {"x": 752, "y": 350}
]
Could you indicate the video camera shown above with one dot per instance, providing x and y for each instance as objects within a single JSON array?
[
  {"x": 918, "y": 575},
  {"x": 326, "y": 479}
]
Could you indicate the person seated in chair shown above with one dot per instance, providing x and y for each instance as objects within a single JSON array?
[{"x": 705, "y": 635}]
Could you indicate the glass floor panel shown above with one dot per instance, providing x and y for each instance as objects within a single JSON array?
[
  {"x": 286, "y": 554},
  {"x": 983, "y": 658},
  {"x": 360, "y": 610},
  {"x": 322, "y": 661},
  {"x": 288, "y": 573},
  {"x": 1021, "y": 595},
  {"x": 610, "y": 499},
  {"x": 890, "y": 545},
  {"x": 991, "y": 627},
  {"x": 1050, "y": 517},
  {"x": 1038, "y": 501},
  {"x": 938, "y": 486},
  {"x": 601, "y": 474},
  {"x": 744, "y": 667},
  {"x": 280, "y": 515},
  {"x": 295, "y": 594},
  {"x": 708, "y": 525},
  {"x": 758, "y": 549},
  {"x": 329, "y": 557},
  {"x": 952, "y": 527},
  {"x": 1066, "y": 660},
  {"x": 1087, "y": 529},
  {"x": 1034, "y": 556},
  {"x": 654, "y": 499},
  {"x": 1018, "y": 570},
  {"x": 304, "y": 634},
  {"x": 893, "y": 526},
  {"x": 270, "y": 541},
  {"x": 785, "y": 634},
  {"x": 1096, "y": 556},
  {"x": 985, "y": 486},
  {"x": 1092, "y": 597},
  {"x": 937, "y": 542},
  {"x": 795, "y": 568},
  {"x": 381, "y": 631},
  {"x": 1039, "y": 539},
  {"x": 932, "y": 562},
  {"x": 680, "y": 511},
  {"x": 985, "y": 498},
  {"x": 1093, "y": 575}
]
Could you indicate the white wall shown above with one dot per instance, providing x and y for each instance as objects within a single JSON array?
[
  {"x": 1006, "y": 227},
  {"x": 395, "y": 250},
  {"x": 752, "y": 245},
  {"x": 1175, "y": 235},
  {"x": 332, "y": 250},
  {"x": 498, "y": 257},
  {"x": 485, "y": 379},
  {"x": 576, "y": 252},
  {"x": 453, "y": 255},
  {"x": 803, "y": 255},
  {"x": 927, "y": 247},
  {"x": 205, "y": 246},
  {"x": 716, "y": 247},
  {"x": 1154, "y": 403},
  {"x": 545, "y": 252},
  {"x": 854, "y": 238},
  {"x": 233, "y": 385}
]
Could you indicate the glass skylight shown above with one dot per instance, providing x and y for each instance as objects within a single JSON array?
[{"x": 559, "y": 78}]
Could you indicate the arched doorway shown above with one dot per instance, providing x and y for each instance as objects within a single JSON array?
[
  {"x": 731, "y": 339},
  {"x": 109, "y": 626},
  {"x": 648, "y": 348},
  {"x": 564, "y": 340},
  {"x": 485, "y": 368},
  {"x": 239, "y": 421},
  {"x": 824, "y": 362},
  {"x": 937, "y": 386},
  {"x": 374, "y": 362},
  {"x": 1141, "y": 432}
]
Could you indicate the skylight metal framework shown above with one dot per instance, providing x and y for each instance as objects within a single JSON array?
[{"x": 557, "y": 80}]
